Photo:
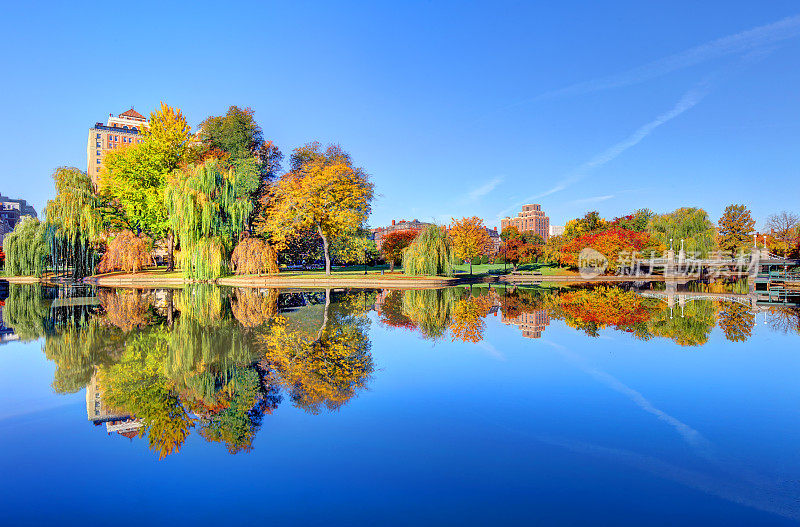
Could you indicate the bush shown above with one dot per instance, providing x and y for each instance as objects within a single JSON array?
[
  {"x": 126, "y": 252},
  {"x": 254, "y": 256},
  {"x": 485, "y": 259}
]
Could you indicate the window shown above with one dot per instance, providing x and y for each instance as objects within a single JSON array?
[
  {"x": 98, "y": 136},
  {"x": 98, "y": 160},
  {"x": 98, "y": 144},
  {"x": 98, "y": 152}
]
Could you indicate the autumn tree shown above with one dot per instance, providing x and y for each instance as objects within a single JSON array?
[
  {"x": 135, "y": 177},
  {"x": 509, "y": 233},
  {"x": 323, "y": 191},
  {"x": 617, "y": 245},
  {"x": 126, "y": 252},
  {"x": 254, "y": 256},
  {"x": 736, "y": 321},
  {"x": 636, "y": 221},
  {"x": 785, "y": 228},
  {"x": 736, "y": 227},
  {"x": 393, "y": 243},
  {"x": 469, "y": 238},
  {"x": 590, "y": 223}
]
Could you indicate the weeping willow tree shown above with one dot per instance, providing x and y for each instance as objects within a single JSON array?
[
  {"x": 689, "y": 224},
  {"x": 209, "y": 205},
  {"x": 26, "y": 248},
  {"x": 430, "y": 310},
  {"x": 73, "y": 223},
  {"x": 26, "y": 312},
  {"x": 429, "y": 254}
]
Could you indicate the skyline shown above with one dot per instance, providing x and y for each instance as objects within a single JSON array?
[{"x": 436, "y": 105}]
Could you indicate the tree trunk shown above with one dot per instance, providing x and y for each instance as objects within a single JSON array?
[
  {"x": 171, "y": 252},
  {"x": 326, "y": 249},
  {"x": 325, "y": 314},
  {"x": 391, "y": 266},
  {"x": 470, "y": 267},
  {"x": 170, "y": 307}
]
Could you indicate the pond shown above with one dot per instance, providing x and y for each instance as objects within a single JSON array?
[{"x": 623, "y": 404}]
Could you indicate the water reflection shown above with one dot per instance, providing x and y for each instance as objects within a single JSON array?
[{"x": 164, "y": 364}]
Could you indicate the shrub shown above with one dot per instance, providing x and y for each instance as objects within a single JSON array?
[
  {"x": 485, "y": 259},
  {"x": 126, "y": 252},
  {"x": 254, "y": 256}
]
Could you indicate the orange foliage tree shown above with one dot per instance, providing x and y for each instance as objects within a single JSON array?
[
  {"x": 613, "y": 244},
  {"x": 254, "y": 256},
  {"x": 392, "y": 245},
  {"x": 126, "y": 252}
]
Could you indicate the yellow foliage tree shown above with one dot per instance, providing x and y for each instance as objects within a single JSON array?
[
  {"x": 323, "y": 192},
  {"x": 469, "y": 238},
  {"x": 254, "y": 256}
]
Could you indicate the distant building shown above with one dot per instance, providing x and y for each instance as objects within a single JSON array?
[
  {"x": 96, "y": 411},
  {"x": 532, "y": 218},
  {"x": 556, "y": 230},
  {"x": 494, "y": 236},
  {"x": 118, "y": 132},
  {"x": 402, "y": 225},
  {"x": 11, "y": 211},
  {"x": 532, "y": 324}
]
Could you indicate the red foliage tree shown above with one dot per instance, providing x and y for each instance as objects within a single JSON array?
[
  {"x": 612, "y": 243},
  {"x": 392, "y": 245}
]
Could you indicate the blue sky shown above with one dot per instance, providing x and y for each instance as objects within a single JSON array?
[{"x": 454, "y": 108}]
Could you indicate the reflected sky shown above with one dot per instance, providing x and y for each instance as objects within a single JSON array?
[{"x": 445, "y": 407}]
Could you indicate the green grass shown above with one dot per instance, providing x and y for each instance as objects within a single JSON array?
[{"x": 483, "y": 269}]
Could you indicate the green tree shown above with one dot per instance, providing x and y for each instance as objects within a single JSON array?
[
  {"x": 430, "y": 254},
  {"x": 26, "y": 248},
  {"x": 692, "y": 225},
  {"x": 209, "y": 206},
  {"x": 74, "y": 222},
  {"x": 736, "y": 227},
  {"x": 135, "y": 177}
]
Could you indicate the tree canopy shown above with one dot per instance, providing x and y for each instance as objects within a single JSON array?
[
  {"x": 736, "y": 228},
  {"x": 324, "y": 191}
]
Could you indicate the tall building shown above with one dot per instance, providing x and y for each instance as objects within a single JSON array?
[
  {"x": 118, "y": 132},
  {"x": 494, "y": 237},
  {"x": 402, "y": 225},
  {"x": 532, "y": 218},
  {"x": 532, "y": 324},
  {"x": 11, "y": 211}
]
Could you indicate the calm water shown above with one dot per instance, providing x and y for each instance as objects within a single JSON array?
[{"x": 602, "y": 405}]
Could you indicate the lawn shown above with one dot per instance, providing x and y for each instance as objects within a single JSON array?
[{"x": 543, "y": 268}]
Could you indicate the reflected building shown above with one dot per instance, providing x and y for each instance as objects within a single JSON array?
[
  {"x": 532, "y": 324},
  {"x": 98, "y": 413}
]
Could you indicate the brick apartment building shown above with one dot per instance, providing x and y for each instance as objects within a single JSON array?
[
  {"x": 118, "y": 132},
  {"x": 532, "y": 218},
  {"x": 402, "y": 225},
  {"x": 532, "y": 324}
]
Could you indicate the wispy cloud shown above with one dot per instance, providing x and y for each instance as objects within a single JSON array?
[
  {"x": 689, "y": 434},
  {"x": 593, "y": 199},
  {"x": 688, "y": 101},
  {"x": 478, "y": 193},
  {"x": 744, "y": 42}
]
